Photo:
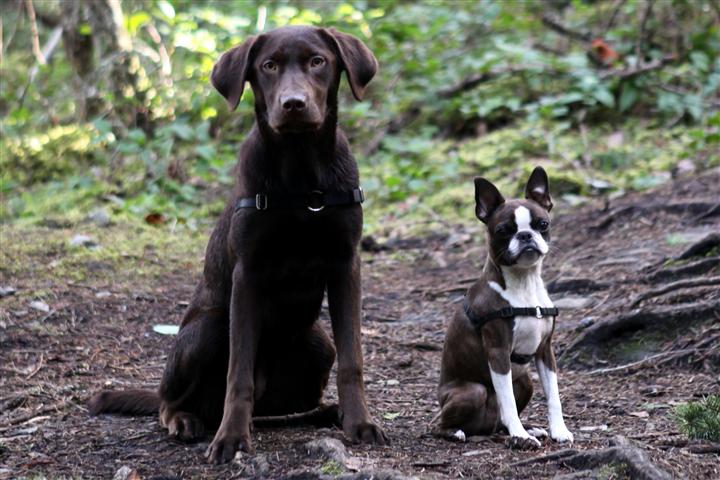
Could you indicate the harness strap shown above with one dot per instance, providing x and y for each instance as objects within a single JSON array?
[
  {"x": 314, "y": 201},
  {"x": 509, "y": 313}
]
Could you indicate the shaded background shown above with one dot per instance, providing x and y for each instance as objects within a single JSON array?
[{"x": 607, "y": 95}]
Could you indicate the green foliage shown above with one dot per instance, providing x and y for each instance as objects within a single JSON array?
[
  {"x": 424, "y": 130},
  {"x": 700, "y": 420}
]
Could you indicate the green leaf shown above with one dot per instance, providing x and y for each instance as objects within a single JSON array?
[
  {"x": 603, "y": 95},
  {"x": 628, "y": 96}
]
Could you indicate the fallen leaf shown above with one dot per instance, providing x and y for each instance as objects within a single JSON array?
[
  {"x": 391, "y": 415},
  {"x": 155, "y": 218},
  {"x": 40, "y": 306},
  {"x": 640, "y": 414},
  {"x": 166, "y": 329}
]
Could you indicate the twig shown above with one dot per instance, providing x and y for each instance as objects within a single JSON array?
[
  {"x": 641, "y": 34},
  {"x": 672, "y": 354},
  {"x": 631, "y": 72},
  {"x": 555, "y": 25},
  {"x": 545, "y": 458},
  {"x": 34, "y": 33},
  {"x": 675, "y": 286},
  {"x": 616, "y": 9},
  {"x": 47, "y": 52},
  {"x": 37, "y": 368}
]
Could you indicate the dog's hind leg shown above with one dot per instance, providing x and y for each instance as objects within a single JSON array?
[
  {"x": 295, "y": 372},
  {"x": 193, "y": 385},
  {"x": 467, "y": 408}
]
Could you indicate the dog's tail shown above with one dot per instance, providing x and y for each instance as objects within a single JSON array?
[{"x": 128, "y": 402}]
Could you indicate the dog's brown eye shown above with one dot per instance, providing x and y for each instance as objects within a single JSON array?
[
  {"x": 317, "y": 61},
  {"x": 503, "y": 231},
  {"x": 543, "y": 225},
  {"x": 270, "y": 66}
]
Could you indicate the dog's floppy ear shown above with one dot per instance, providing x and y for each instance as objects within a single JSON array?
[
  {"x": 487, "y": 199},
  {"x": 358, "y": 61},
  {"x": 231, "y": 71},
  {"x": 538, "y": 189}
]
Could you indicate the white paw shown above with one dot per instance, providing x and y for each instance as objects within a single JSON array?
[
  {"x": 561, "y": 434},
  {"x": 460, "y": 435},
  {"x": 538, "y": 432}
]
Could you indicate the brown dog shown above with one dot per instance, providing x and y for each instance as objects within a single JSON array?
[
  {"x": 249, "y": 343},
  {"x": 506, "y": 321}
]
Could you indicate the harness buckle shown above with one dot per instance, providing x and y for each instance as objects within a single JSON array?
[
  {"x": 261, "y": 201},
  {"x": 316, "y": 196},
  {"x": 538, "y": 312}
]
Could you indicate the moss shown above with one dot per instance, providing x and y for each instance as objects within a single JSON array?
[{"x": 331, "y": 467}]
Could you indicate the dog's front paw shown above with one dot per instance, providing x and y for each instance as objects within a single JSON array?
[
  {"x": 224, "y": 446},
  {"x": 561, "y": 434},
  {"x": 365, "y": 432},
  {"x": 523, "y": 443}
]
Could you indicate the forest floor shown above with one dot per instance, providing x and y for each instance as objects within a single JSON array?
[{"x": 81, "y": 319}]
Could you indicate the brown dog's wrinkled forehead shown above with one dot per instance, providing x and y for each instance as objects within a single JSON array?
[{"x": 294, "y": 39}]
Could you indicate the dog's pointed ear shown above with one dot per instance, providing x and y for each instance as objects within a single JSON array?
[
  {"x": 358, "y": 61},
  {"x": 538, "y": 189},
  {"x": 231, "y": 71},
  {"x": 487, "y": 199}
]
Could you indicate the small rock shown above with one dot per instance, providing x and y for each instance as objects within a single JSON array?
[
  {"x": 586, "y": 322},
  {"x": 574, "y": 303},
  {"x": 6, "y": 291},
  {"x": 99, "y": 217},
  {"x": 328, "y": 448},
  {"x": 82, "y": 241},
  {"x": 392, "y": 382},
  {"x": 126, "y": 473},
  {"x": 40, "y": 306},
  {"x": 103, "y": 294},
  {"x": 256, "y": 465}
]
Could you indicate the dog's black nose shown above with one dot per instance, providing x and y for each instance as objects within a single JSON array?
[
  {"x": 524, "y": 236},
  {"x": 293, "y": 102}
]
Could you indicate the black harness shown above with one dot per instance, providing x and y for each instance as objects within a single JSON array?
[
  {"x": 314, "y": 201},
  {"x": 509, "y": 313}
]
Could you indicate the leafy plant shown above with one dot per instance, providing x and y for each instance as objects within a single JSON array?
[{"x": 700, "y": 420}]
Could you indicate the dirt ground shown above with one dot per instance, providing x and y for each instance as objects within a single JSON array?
[{"x": 98, "y": 333}]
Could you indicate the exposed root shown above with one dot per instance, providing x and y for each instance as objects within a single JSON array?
[
  {"x": 636, "y": 461},
  {"x": 701, "y": 247},
  {"x": 699, "y": 282},
  {"x": 575, "y": 285},
  {"x": 639, "y": 319},
  {"x": 696, "y": 268}
]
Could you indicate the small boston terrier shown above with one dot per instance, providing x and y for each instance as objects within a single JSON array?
[{"x": 507, "y": 320}]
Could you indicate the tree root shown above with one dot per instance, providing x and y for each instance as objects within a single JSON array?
[
  {"x": 696, "y": 268},
  {"x": 700, "y": 282},
  {"x": 575, "y": 285},
  {"x": 699, "y": 209},
  {"x": 621, "y": 452},
  {"x": 635, "y": 460},
  {"x": 701, "y": 248},
  {"x": 639, "y": 319}
]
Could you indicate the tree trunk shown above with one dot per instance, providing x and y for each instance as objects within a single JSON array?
[{"x": 100, "y": 52}]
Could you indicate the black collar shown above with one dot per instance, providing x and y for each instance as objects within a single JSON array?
[
  {"x": 314, "y": 201},
  {"x": 508, "y": 313}
]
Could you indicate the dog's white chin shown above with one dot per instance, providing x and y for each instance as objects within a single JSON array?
[{"x": 528, "y": 258}]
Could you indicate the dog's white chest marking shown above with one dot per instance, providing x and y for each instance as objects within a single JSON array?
[{"x": 526, "y": 290}]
